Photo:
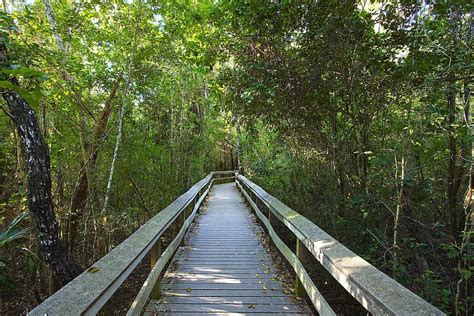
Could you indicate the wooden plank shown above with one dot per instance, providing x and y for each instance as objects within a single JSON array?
[
  {"x": 210, "y": 270},
  {"x": 219, "y": 313},
  {"x": 227, "y": 246},
  {"x": 87, "y": 293},
  {"x": 226, "y": 172},
  {"x": 222, "y": 314},
  {"x": 228, "y": 300},
  {"x": 223, "y": 259},
  {"x": 231, "y": 248},
  {"x": 224, "y": 263},
  {"x": 169, "y": 282},
  {"x": 226, "y": 239},
  {"x": 226, "y": 286},
  {"x": 225, "y": 178},
  {"x": 225, "y": 275},
  {"x": 376, "y": 291},
  {"x": 232, "y": 308},
  {"x": 224, "y": 293},
  {"x": 222, "y": 254},
  {"x": 222, "y": 251}
]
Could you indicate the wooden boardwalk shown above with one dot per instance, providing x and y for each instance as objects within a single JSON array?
[{"x": 223, "y": 268}]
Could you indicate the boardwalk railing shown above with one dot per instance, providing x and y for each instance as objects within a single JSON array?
[
  {"x": 374, "y": 290},
  {"x": 88, "y": 293},
  {"x": 378, "y": 293}
]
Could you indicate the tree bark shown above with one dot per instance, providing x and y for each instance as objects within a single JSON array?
[{"x": 36, "y": 151}]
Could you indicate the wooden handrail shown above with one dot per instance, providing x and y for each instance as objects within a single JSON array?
[
  {"x": 314, "y": 295},
  {"x": 86, "y": 294},
  {"x": 153, "y": 280},
  {"x": 377, "y": 292}
]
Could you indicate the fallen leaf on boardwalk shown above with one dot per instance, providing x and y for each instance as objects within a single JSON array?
[
  {"x": 251, "y": 306},
  {"x": 257, "y": 275},
  {"x": 264, "y": 287},
  {"x": 266, "y": 270},
  {"x": 189, "y": 289},
  {"x": 93, "y": 269},
  {"x": 286, "y": 292},
  {"x": 260, "y": 281}
]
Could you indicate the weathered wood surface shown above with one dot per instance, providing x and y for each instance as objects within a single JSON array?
[
  {"x": 224, "y": 268},
  {"x": 149, "y": 285},
  {"x": 87, "y": 293},
  {"x": 304, "y": 282},
  {"x": 377, "y": 292}
]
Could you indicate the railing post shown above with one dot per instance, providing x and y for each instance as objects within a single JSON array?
[
  {"x": 270, "y": 218},
  {"x": 155, "y": 254},
  {"x": 181, "y": 219},
  {"x": 299, "y": 289}
]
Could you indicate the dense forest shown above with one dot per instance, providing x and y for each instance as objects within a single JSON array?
[{"x": 357, "y": 114}]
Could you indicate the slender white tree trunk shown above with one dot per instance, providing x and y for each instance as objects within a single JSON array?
[
  {"x": 52, "y": 24},
  {"x": 120, "y": 125},
  {"x": 5, "y": 6},
  {"x": 114, "y": 159}
]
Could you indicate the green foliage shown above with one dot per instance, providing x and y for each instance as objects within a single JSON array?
[
  {"x": 174, "y": 124},
  {"x": 339, "y": 109},
  {"x": 14, "y": 231},
  {"x": 431, "y": 287},
  {"x": 345, "y": 107}
]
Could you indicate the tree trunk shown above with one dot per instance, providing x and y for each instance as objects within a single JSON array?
[
  {"x": 403, "y": 201},
  {"x": 462, "y": 285},
  {"x": 52, "y": 24},
  {"x": 36, "y": 151},
  {"x": 454, "y": 171},
  {"x": 114, "y": 159},
  {"x": 5, "y": 6},
  {"x": 137, "y": 191},
  {"x": 455, "y": 167},
  {"x": 81, "y": 193}
]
